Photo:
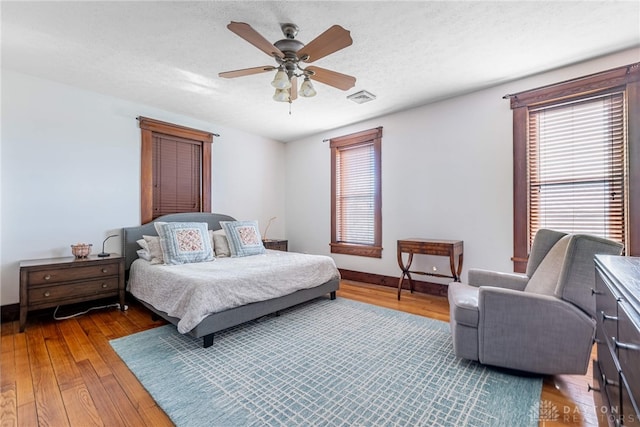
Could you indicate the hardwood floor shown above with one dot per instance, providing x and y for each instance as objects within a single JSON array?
[{"x": 65, "y": 373}]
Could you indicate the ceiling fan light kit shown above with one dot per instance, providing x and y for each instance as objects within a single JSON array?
[
  {"x": 281, "y": 80},
  {"x": 290, "y": 55},
  {"x": 306, "y": 88},
  {"x": 281, "y": 95}
]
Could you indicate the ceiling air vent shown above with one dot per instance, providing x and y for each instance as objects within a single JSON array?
[{"x": 361, "y": 97}]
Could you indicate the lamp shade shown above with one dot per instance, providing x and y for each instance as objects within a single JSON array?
[
  {"x": 306, "y": 88},
  {"x": 281, "y": 80},
  {"x": 281, "y": 95}
]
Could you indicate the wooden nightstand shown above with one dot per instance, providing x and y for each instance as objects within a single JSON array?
[
  {"x": 277, "y": 244},
  {"x": 57, "y": 281}
]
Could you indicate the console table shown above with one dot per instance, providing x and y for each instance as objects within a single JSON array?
[{"x": 449, "y": 248}]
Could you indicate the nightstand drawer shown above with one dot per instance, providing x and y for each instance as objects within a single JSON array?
[
  {"x": 57, "y": 293},
  {"x": 53, "y": 275}
]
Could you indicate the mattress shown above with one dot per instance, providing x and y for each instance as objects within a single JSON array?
[{"x": 191, "y": 292}]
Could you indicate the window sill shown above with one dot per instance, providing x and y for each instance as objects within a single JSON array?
[{"x": 359, "y": 250}]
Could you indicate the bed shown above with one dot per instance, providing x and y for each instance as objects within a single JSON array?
[{"x": 268, "y": 269}]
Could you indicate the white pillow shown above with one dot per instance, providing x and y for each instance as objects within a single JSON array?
[
  {"x": 155, "y": 249},
  {"x": 144, "y": 254},
  {"x": 143, "y": 244},
  {"x": 221, "y": 244}
]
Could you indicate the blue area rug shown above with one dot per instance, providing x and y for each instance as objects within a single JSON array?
[{"x": 327, "y": 363}]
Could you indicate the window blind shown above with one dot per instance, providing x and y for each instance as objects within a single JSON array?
[
  {"x": 176, "y": 175},
  {"x": 355, "y": 194},
  {"x": 576, "y": 167}
]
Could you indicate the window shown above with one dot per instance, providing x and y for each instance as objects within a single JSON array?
[
  {"x": 576, "y": 160},
  {"x": 175, "y": 169},
  {"x": 356, "y": 203}
]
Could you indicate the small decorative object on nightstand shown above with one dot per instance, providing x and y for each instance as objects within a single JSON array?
[
  {"x": 51, "y": 282},
  {"x": 276, "y": 244},
  {"x": 81, "y": 250},
  {"x": 264, "y": 235}
]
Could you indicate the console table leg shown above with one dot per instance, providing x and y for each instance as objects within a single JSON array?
[
  {"x": 459, "y": 272},
  {"x": 405, "y": 271},
  {"x": 400, "y": 284}
]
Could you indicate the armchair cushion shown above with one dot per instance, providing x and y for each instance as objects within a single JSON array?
[
  {"x": 545, "y": 279},
  {"x": 543, "y": 242}
]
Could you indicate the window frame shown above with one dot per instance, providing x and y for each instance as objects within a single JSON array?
[
  {"x": 150, "y": 126},
  {"x": 625, "y": 78},
  {"x": 374, "y": 136}
]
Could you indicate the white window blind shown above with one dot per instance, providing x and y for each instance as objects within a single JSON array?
[
  {"x": 355, "y": 194},
  {"x": 576, "y": 167}
]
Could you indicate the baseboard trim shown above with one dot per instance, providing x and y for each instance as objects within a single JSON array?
[
  {"x": 9, "y": 312},
  {"x": 430, "y": 288}
]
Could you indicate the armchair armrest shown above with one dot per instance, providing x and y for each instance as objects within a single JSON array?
[
  {"x": 478, "y": 277},
  {"x": 533, "y": 332}
]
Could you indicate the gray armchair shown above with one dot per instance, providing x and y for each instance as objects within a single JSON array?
[{"x": 541, "y": 321}]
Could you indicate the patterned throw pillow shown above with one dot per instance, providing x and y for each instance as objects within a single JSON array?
[
  {"x": 184, "y": 242},
  {"x": 244, "y": 237}
]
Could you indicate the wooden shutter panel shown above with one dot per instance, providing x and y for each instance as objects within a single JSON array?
[
  {"x": 176, "y": 175},
  {"x": 577, "y": 167}
]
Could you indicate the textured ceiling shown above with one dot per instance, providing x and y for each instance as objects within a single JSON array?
[{"x": 168, "y": 54}]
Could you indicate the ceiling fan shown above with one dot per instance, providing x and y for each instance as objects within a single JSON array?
[{"x": 291, "y": 55}]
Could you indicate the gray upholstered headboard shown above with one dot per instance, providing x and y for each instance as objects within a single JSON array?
[{"x": 131, "y": 234}]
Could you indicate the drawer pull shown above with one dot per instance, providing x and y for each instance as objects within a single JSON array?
[
  {"x": 589, "y": 388},
  {"x": 607, "y": 317},
  {"x": 104, "y": 285},
  {"x": 626, "y": 346},
  {"x": 47, "y": 277},
  {"x": 594, "y": 292},
  {"x": 47, "y": 294},
  {"x": 104, "y": 270},
  {"x": 606, "y": 381}
]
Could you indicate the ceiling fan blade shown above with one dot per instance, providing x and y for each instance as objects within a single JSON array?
[
  {"x": 331, "y": 78},
  {"x": 252, "y": 36},
  {"x": 293, "y": 90},
  {"x": 246, "y": 71},
  {"x": 332, "y": 40}
]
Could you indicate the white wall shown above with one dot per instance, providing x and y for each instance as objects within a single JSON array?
[
  {"x": 446, "y": 173},
  {"x": 71, "y": 172}
]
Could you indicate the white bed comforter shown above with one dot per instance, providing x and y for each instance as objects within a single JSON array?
[{"x": 191, "y": 292}]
